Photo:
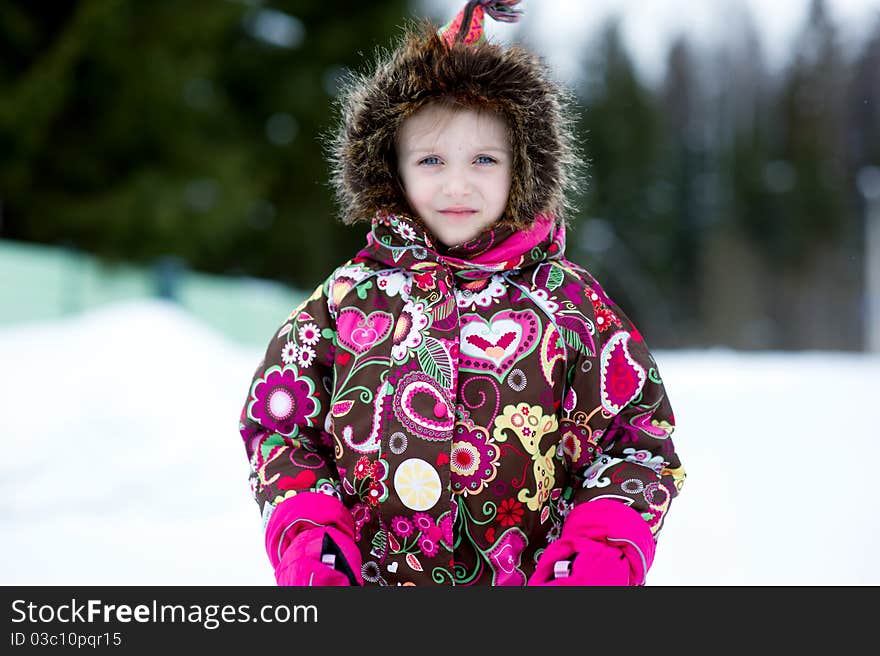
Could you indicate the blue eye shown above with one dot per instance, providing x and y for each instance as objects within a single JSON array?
[
  {"x": 491, "y": 160},
  {"x": 430, "y": 160}
]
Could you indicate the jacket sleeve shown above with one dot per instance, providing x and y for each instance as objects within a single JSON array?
[
  {"x": 617, "y": 420},
  {"x": 283, "y": 421}
]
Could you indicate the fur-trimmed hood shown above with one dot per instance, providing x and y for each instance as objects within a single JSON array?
[{"x": 509, "y": 80}]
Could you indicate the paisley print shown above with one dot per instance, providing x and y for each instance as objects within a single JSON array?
[
  {"x": 422, "y": 407},
  {"x": 622, "y": 377}
]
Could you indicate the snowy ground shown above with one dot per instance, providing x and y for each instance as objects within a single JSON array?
[{"x": 123, "y": 466}]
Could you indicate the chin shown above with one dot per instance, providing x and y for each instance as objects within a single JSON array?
[{"x": 456, "y": 240}]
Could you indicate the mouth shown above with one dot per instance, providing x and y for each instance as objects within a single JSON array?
[{"x": 458, "y": 211}]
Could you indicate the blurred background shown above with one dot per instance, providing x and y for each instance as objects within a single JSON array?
[
  {"x": 164, "y": 205},
  {"x": 174, "y": 149}
]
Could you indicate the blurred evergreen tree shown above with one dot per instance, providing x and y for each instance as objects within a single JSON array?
[
  {"x": 627, "y": 227},
  {"x": 863, "y": 101},
  {"x": 793, "y": 196},
  {"x": 753, "y": 173},
  {"x": 736, "y": 287},
  {"x": 808, "y": 176},
  {"x": 138, "y": 129},
  {"x": 683, "y": 210},
  {"x": 863, "y": 169}
]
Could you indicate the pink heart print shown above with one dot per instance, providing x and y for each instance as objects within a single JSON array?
[
  {"x": 493, "y": 346},
  {"x": 505, "y": 558},
  {"x": 358, "y": 333}
]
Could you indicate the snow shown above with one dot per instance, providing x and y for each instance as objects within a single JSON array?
[{"x": 123, "y": 464}]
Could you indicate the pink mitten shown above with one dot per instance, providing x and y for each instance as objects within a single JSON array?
[
  {"x": 310, "y": 542},
  {"x": 603, "y": 542},
  {"x": 320, "y": 556}
]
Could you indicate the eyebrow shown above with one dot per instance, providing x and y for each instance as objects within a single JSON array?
[{"x": 484, "y": 149}]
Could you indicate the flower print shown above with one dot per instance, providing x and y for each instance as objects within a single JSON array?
[
  {"x": 375, "y": 493},
  {"x": 405, "y": 230},
  {"x": 644, "y": 457},
  {"x": 563, "y": 507},
  {"x": 412, "y": 321},
  {"x": 597, "y": 295},
  {"x": 306, "y": 356},
  {"x": 352, "y": 272},
  {"x": 282, "y": 400},
  {"x": 423, "y": 521},
  {"x": 465, "y": 459},
  {"x": 473, "y": 459},
  {"x": 446, "y": 529},
  {"x": 429, "y": 545},
  {"x": 309, "y": 334},
  {"x": 510, "y": 512},
  {"x": 288, "y": 353},
  {"x": 363, "y": 468},
  {"x": 379, "y": 470},
  {"x": 543, "y": 300},
  {"x": 605, "y": 319},
  {"x": 377, "y": 473},
  {"x": 343, "y": 281},
  {"x": 394, "y": 282},
  {"x": 480, "y": 293},
  {"x": 402, "y": 526},
  {"x": 329, "y": 488}
]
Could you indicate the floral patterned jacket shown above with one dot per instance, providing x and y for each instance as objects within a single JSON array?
[{"x": 460, "y": 404}]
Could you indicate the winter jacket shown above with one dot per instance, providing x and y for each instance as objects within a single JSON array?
[{"x": 460, "y": 403}]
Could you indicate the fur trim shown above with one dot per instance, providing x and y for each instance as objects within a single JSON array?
[{"x": 509, "y": 80}]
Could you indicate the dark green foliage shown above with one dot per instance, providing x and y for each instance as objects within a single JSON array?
[{"x": 136, "y": 129}]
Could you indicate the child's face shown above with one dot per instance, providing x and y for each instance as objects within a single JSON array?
[{"x": 455, "y": 169}]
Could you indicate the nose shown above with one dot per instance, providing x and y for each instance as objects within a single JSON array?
[{"x": 456, "y": 183}]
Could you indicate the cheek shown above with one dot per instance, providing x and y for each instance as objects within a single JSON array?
[
  {"x": 503, "y": 188},
  {"x": 418, "y": 190},
  {"x": 406, "y": 184}
]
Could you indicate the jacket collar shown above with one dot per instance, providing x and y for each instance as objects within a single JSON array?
[{"x": 400, "y": 241}]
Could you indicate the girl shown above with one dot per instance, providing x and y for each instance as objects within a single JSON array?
[{"x": 459, "y": 404}]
